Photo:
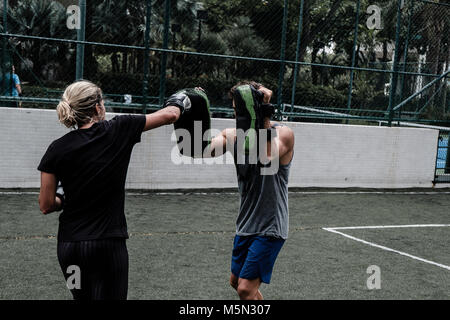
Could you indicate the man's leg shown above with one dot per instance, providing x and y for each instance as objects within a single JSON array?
[
  {"x": 235, "y": 283},
  {"x": 249, "y": 289}
]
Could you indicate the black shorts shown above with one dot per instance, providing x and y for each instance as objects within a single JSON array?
[{"x": 102, "y": 266}]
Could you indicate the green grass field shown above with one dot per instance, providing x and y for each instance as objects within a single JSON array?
[{"x": 180, "y": 246}]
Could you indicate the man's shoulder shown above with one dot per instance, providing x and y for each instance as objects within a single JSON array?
[
  {"x": 282, "y": 128},
  {"x": 285, "y": 133}
]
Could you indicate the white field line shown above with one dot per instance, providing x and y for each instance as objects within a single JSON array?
[
  {"x": 231, "y": 193},
  {"x": 371, "y": 192},
  {"x": 390, "y": 227},
  {"x": 334, "y": 230},
  {"x": 17, "y": 192}
]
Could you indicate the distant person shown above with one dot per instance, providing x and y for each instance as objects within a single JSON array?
[
  {"x": 17, "y": 89},
  {"x": 11, "y": 87}
]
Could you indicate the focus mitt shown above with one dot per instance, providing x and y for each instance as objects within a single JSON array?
[{"x": 192, "y": 129}]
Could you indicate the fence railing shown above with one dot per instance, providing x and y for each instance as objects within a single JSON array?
[{"x": 360, "y": 58}]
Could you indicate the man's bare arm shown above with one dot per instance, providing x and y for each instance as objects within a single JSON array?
[
  {"x": 282, "y": 146},
  {"x": 287, "y": 140},
  {"x": 218, "y": 145}
]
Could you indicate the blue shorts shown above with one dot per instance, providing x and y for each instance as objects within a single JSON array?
[{"x": 254, "y": 256}]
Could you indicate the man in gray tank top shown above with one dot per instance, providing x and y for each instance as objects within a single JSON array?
[{"x": 263, "y": 220}]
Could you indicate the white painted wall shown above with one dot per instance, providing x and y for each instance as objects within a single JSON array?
[{"x": 326, "y": 155}]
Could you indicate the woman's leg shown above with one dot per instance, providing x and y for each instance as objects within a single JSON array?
[{"x": 103, "y": 266}]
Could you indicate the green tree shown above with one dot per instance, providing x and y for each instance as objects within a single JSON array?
[{"x": 43, "y": 18}]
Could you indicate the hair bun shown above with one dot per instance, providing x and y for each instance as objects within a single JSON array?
[
  {"x": 66, "y": 114},
  {"x": 78, "y": 105}
]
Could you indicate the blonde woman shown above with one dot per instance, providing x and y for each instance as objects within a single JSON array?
[{"x": 91, "y": 163}]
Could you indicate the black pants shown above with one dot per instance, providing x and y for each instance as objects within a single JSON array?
[{"x": 102, "y": 265}]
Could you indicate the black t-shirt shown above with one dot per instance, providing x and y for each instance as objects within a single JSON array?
[{"x": 92, "y": 166}]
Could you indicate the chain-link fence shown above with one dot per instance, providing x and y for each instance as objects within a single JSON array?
[{"x": 383, "y": 60}]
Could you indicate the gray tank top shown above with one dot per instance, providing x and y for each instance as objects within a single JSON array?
[{"x": 264, "y": 202}]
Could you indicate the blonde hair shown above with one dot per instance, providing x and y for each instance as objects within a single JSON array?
[{"x": 78, "y": 104}]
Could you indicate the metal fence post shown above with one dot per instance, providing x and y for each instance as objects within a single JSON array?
[
  {"x": 297, "y": 52},
  {"x": 146, "y": 56},
  {"x": 405, "y": 56},
  {"x": 446, "y": 100},
  {"x": 394, "y": 78},
  {"x": 282, "y": 57},
  {"x": 162, "y": 82},
  {"x": 5, "y": 16},
  {"x": 352, "y": 71},
  {"x": 81, "y": 34},
  {"x": 4, "y": 56}
]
